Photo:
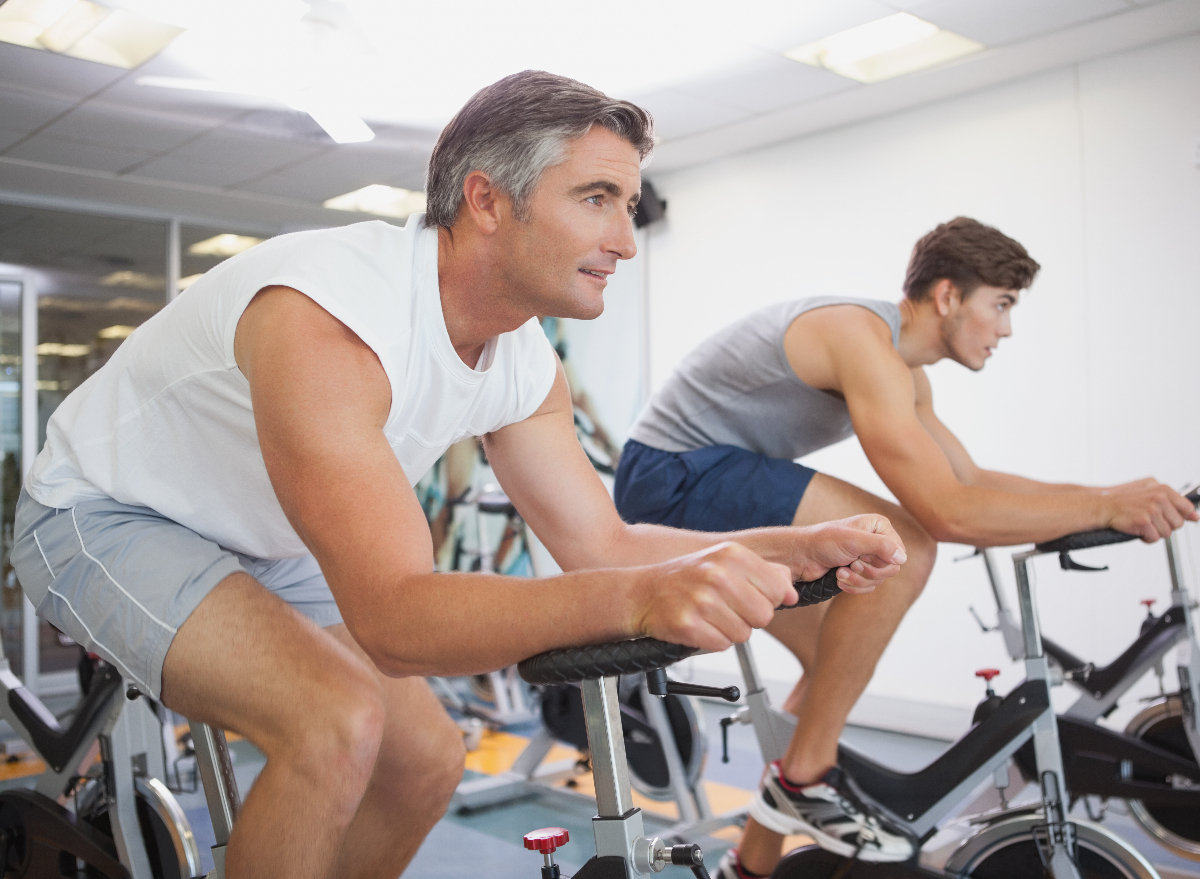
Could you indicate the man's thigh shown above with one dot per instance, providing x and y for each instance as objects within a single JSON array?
[
  {"x": 828, "y": 497},
  {"x": 247, "y": 661}
]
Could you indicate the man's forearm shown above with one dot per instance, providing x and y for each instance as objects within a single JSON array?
[
  {"x": 1021, "y": 485},
  {"x": 461, "y": 623}
]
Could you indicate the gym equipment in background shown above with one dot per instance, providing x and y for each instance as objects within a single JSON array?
[{"x": 124, "y": 823}]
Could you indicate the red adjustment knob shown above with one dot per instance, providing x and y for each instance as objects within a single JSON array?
[
  {"x": 546, "y": 840},
  {"x": 1149, "y": 602},
  {"x": 987, "y": 673}
]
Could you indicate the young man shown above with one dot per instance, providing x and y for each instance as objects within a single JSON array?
[
  {"x": 225, "y": 510},
  {"x": 713, "y": 451}
]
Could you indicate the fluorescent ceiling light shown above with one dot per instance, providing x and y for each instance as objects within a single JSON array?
[
  {"x": 136, "y": 280},
  {"x": 884, "y": 48},
  {"x": 85, "y": 30},
  {"x": 56, "y": 349},
  {"x": 119, "y": 331},
  {"x": 325, "y": 108},
  {"x": 384, "y": 201},
  {"x": 226, "y": 244},
  {"x": 184, "y": 283}
]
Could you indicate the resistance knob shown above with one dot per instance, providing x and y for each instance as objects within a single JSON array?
[{"x": 547, "y": 841}]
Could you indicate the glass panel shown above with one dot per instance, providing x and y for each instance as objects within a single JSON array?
[
  {"x": 97, "y": 278},
  {"x": 11, "y": 605},
  {"x": 202, "y": 247}
]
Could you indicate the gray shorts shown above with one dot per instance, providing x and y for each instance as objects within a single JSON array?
[{"x": 121, "y": 580}]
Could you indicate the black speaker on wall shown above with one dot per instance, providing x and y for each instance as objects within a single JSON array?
[{"x": 651, "y": 208}]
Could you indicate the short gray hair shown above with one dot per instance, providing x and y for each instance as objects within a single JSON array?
[{"x": 514, "y": 129}]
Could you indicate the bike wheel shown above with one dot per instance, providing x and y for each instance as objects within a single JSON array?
[
  {"x": 170, "y": 845},
  {"x": 1177, "y": 829},
  {"x": 1006, "y": 849}
]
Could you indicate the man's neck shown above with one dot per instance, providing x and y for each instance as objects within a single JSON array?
[
  {"x": 475, "y": 304},
  {"x": 920, "y": 333}
]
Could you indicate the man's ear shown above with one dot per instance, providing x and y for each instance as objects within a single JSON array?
[
  {"x": 481, "y": 203},
  {"x": 946, "y": 296}
]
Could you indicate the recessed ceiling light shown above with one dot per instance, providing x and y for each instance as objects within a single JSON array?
[
  {"x": 225, "y": 244},
  {"x": 384, "y": 201},
  {"x": 137, "y": 280},
  {"x": 119, "y": 331},
  {"x": 884, "y": 48},
  {"x": 85, "y": 30},
  {"x": 55, "y": 349},
  {"x": 325, "y": 108}
]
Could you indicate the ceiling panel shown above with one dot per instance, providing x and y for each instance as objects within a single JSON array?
[
  {"x": 813, "y": 21},
  {"x": 30, "y": 110},
  {"x": 771, "y": 83},
  {"x": 341, "y": 170},
  {"x": 45, "y": 71},
  {"x": 123, "y": 128},
  {"x": 73, "y": 154},
  {"x": 1000, "y": 22},
  {"x": 677, "y": 114},
  {"x": 9, "y": 136},
  {"x": 222, "y": 158}
]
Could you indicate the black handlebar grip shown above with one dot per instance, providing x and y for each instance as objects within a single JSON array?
[
  {"x": 1085, "y": 540},
  {"x": 1099, "y": 537},
  {"x": 569, "y": 665},
  {"x": 815, "y": 591}
]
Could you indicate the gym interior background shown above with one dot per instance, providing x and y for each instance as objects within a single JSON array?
[{"x": 1073, "y": 126}]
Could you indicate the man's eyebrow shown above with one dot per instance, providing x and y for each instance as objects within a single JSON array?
[
  {"x": 1009, "y": 297},
  {"x": 605, "y": 186}
]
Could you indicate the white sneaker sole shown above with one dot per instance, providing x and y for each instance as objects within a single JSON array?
[{"x": 787, "y": 825}]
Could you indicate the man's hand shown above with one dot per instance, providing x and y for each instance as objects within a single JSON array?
[
  {"x": 1147, "y": 508},
  {"x": 709, "y": 599},
  {"x": 865, "y": 549}
]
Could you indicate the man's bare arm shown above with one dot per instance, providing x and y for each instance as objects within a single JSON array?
[
  {"x": 320, "y": 400},
  {"x": 543, "y": 469},
  {"x": 882, "y": 396}
]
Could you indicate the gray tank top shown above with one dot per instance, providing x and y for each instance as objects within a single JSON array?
[{"x": 737, "y": 388}]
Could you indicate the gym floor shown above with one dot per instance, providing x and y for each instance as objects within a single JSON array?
[{"x": 460, "y": 844}]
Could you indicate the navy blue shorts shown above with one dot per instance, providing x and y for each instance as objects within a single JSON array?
[{"x": 720, "y": 488}]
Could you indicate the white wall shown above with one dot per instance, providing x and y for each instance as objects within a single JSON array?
[{"x": 1094, "y": 169}]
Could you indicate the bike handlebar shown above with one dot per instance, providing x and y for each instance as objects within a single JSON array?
[
  {"x": 1099, "y": 537},
  {"x": 568, "y": 665}
]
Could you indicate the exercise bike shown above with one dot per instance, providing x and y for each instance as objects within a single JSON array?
[
  {"x": 1153, "y": 766},
  {"x": 622, "y": 848},
  {"x": 1033, "y": 841},
  {"x": 119, "y": 820}
]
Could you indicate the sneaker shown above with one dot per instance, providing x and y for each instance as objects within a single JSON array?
[
  {"x": 829, "y": 812},
  {"x": 731, "y": 868}
]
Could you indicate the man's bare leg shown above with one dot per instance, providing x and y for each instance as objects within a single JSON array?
[
  {"x": 246, "y": 661},
  {"x": 850, "y": 633},
  {"x": 420, "y": 763}
]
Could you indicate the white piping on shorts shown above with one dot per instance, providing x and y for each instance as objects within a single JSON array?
[
  {"x": 43, "y": 552},
  {"x": 126, "y": 672},
  {"x": 143, "y": 607}
]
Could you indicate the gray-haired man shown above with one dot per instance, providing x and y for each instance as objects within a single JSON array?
[{"x": 225, "y": 509}]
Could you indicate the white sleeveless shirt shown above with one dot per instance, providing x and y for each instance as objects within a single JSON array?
[{"x": 167, "y": 423}]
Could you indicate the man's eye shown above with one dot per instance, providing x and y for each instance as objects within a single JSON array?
[{"x": 595, "y": 199}]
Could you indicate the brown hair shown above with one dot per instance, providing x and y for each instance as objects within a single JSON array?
[
  {"x": 514, "y": 129},
  {"x": 968, "y": 254}
]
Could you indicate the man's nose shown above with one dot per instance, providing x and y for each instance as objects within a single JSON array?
[{"x": 620, "y": 239}]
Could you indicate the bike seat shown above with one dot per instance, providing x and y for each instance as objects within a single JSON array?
[{"x": 54, "y": 744}]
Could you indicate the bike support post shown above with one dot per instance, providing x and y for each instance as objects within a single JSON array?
[
  {"x": 1058, "y": 845},
  {"x": 1189, "y": 656}
]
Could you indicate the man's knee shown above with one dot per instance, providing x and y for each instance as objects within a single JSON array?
[
  {"x": 424, "y": 761},
  {"x": 335, "y": 726}
]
